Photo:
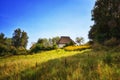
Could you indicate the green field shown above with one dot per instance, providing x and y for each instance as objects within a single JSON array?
[{"x": 62, "y": 65}]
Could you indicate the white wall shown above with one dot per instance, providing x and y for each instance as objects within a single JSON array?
[{"x": 61, "y": 45}]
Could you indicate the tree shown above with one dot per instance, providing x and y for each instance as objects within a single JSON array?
[
  {"x": 20, "y": 38},
  {"x": 79, "y": 40},
  {"x": 55, "y": 40},
  {"x": 106, "y": 16},
  {"x": 24, "y": 39},
  {"x": 3, "y": 47},
  {"x": 2, "y": 38},
  {"x": 48, "y": 42},
  {"x": 44, "y": 44},
  {"x": 8, "y": 42},
  {"x": 16, "y": 39}
]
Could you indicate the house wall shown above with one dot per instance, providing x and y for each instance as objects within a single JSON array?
[{"x": 61, "y": 45}]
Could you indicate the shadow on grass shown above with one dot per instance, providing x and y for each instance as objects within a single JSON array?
[
  {"x": 77, "y": 67},
  {"x": 72, "y": 68}
]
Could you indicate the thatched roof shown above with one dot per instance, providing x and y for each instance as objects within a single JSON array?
[{"x": 65, "y": 40}]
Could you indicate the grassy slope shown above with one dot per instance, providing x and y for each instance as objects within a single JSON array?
[
  {"x": 62, "y": 65},
  {"x": 12, "y": 67}
]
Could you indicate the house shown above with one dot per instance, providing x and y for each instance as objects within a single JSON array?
[{"x": 64, "y": 40}]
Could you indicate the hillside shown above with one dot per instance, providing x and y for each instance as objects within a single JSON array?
[{"x": 62, "y": 65}]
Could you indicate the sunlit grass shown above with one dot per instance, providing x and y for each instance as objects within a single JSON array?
[
  {"x": 77, "y": 48},
  {"x": 88, "y": 66},
  {"x": 16, "y": 64},
  {"x": 62, "y": 65}
]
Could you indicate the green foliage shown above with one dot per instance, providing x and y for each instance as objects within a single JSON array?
[
  {"x": 79, "y": 40},
  {"x": 13, "y": 50},
  {"x": 44, "y": 44},
  {"x": 2, "y": 38},
  {"x": 19, "y": 38},
  {"x": 21, "y": 51},
  {"x": 36, "y": 48},
  {"x": 108, "y": 46},
  {"x": 55, "y": 40},
  {"x": 98, "y": 47},
  {"x": 106, "y": 16},
  {"x": 112, "y": 42},
  {"x": 55, "y": 46},
  {"x": 16, "y": 39},
  {"x": 115, "y": 49},
  {"x": 15, "y": 45},
  {"x": 40, "y": 47},
  {"x": 3, "y": 49},
  {"x": 70, "y": 44},
  {"x": 24, "y": 39}
]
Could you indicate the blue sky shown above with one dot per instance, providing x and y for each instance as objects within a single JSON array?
[{"x": 46, "y": 18}]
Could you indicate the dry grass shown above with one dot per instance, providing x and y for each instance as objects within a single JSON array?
[
  {"x": 14, "y": 65},
  {"x": 62, "y": 65}
]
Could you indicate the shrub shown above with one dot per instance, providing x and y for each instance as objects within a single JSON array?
[
  {"x": 17, "y": 51},
  {"x": 55, "y": 46},
  {"x": 36, "y": 48},
  {"x": 21, "y": 50},
  {"x": 13, "y": 50},
  {"x": 99, "y": 47},
  {"x": 114, "y": 49},
  {"x": 3, "y": 50},
  {"x": 69, "y": 44},
  {"x": 40, "y": 47},
  {"x": 111, "y": 42}
]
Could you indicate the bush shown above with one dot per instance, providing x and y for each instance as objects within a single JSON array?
[
  {"x": 21, "y": 50},
  {"x": 40, "y": 47},
  {"x": 70, "y": 44},
  {"x": 115, "y": 49},
  {"x": 3, "y": 50},
  {"x": 55, "y": 46},
  {"x": 112, "y": 42},
  {"x": 99, "y": 47},
  {"x": 13, "y": 50},
  {"x": 35, "y": 48}
]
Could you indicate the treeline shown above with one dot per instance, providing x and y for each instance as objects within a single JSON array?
[
  {"x": 18, "y": 43},
  {"x": 44, "y": 44},
  {"x": 15, "y": 45}
]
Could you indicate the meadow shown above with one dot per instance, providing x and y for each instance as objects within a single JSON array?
[{"x": 62, "y": 65}]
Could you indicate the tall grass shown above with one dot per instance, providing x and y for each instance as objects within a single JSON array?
[
  {"x": 62, "y": 65},
  {"x": 11, "y": 68}
]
